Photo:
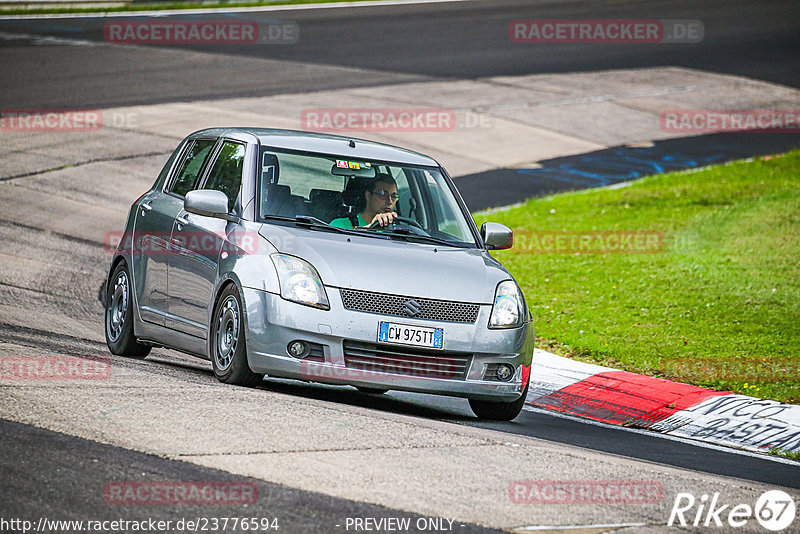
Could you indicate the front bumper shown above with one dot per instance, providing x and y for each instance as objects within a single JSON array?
[{"x": 272, "y": 323}]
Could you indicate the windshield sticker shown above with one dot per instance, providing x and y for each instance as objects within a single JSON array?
[{"x": 352, "y": 164}]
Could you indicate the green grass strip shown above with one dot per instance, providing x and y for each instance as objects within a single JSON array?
[{"x": 717, "y": 305}]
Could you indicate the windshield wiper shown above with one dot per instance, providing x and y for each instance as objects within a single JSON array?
[
  {"x": 406, "y": 233},
  {"x": 270, "y": 217},
  {"x": 313, "y": 222},
  {"x": 318, "y": 224},
  {"x": 305, "y": 220}
]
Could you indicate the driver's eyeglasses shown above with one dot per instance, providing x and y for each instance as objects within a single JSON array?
[{"x": 385, "y": 194}]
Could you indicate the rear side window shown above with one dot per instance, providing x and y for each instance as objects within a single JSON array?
[
  {"x": 191, "y": 166},
  {"x": 226, "y": 174}
]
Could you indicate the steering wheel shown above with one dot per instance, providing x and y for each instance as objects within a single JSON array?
[{"x": 404, "y": 220}]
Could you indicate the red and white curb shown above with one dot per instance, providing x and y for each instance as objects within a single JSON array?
[{"x": 622, "y": 398}]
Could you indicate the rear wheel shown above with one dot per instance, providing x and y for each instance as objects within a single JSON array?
[
  {"x": 228, "y": 349},
  {"x": 499, "y": 411},
  {"x": 119, "y": 316}
]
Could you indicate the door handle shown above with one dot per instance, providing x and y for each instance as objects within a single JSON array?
[
  {"x": 145, "y": 207},
  {"x": 181, "y": 221}
]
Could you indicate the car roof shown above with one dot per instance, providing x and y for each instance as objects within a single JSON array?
[{"x": 335, "y": 145}]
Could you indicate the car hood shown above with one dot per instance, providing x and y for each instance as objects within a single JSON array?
[{"x": 392, "y": 266}]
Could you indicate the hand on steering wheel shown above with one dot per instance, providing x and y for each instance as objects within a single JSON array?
[
  {"x": 382, "y": 219},
  {"x": 391, "y": 218}
]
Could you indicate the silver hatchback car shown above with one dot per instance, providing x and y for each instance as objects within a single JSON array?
[{"x": 320, "y": 258}]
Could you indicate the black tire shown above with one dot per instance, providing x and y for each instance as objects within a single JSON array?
[
  {"x": 119, "y": 315},
  {"x": 227, "y": 346},
  {"x": 371, "y": 391},
  {"x": 499, "y": 411}
]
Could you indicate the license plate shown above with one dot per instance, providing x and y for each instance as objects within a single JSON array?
[{"x": 405, "y": 334}]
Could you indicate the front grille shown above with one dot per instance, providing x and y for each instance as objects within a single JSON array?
[
  {"x": 406, "y": 360},
  {"x": 315, "y": 353},
  {"x": 381, "y": 303},
  {"x": 491, "y": 372}
]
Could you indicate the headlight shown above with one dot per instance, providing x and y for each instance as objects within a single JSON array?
[
  {"x": 508, "y": 310},
  {"x": 300, "y": 282}
]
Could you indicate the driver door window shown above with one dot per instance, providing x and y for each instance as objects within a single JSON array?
[
  {"x": 191, "y": 166},
  {"x": 226, "y": 174}
]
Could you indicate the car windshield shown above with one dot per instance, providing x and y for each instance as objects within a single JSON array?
[{"x": 341, "y": 191}]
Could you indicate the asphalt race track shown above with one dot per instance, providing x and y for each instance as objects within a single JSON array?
[
  {"x": 615, "y": 165},
  {"x": 360, "y": 47},
  {"x": 317, "y": 454},
  {"x": 62, "y": 461}
]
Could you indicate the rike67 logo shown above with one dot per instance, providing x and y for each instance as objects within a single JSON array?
[{"x": 774, "y": 510}]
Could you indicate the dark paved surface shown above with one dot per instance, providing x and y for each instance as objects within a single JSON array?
[
  {"x": 502, "y": 187},
  {"x": 388, "y": 45},
  {"x": 604, "y": 438},
  {"x": 49, "y": 475}
]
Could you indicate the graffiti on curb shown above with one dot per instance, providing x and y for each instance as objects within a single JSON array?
[{"x": 739, "y": 420}]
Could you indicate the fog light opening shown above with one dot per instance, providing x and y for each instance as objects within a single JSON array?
[
  {"x": 505, "y": 372},
  {"x": 298, "y": 349}
]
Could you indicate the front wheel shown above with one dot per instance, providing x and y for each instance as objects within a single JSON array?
[
  {"x": 499, "y": 411},
  {"x": 228, "y": 349},
  {"x": 119, "y": 316}
]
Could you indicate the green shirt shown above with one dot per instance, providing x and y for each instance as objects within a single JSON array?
[{"x": 344, "y": 222}]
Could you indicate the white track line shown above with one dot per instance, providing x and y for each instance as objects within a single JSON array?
[
  {"x": 576, "y": 527},
  {"x": 48, "y": 39},
  {"x": 291, "y": 7},
  {"x": 697, "y": 443}
]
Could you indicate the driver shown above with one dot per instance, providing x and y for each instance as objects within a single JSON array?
[{"x": 380, "y": 200}]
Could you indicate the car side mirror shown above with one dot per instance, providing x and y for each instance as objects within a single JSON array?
[
  {"x": 207, "y": 202},
  {"x": 497, "y": 236}
]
